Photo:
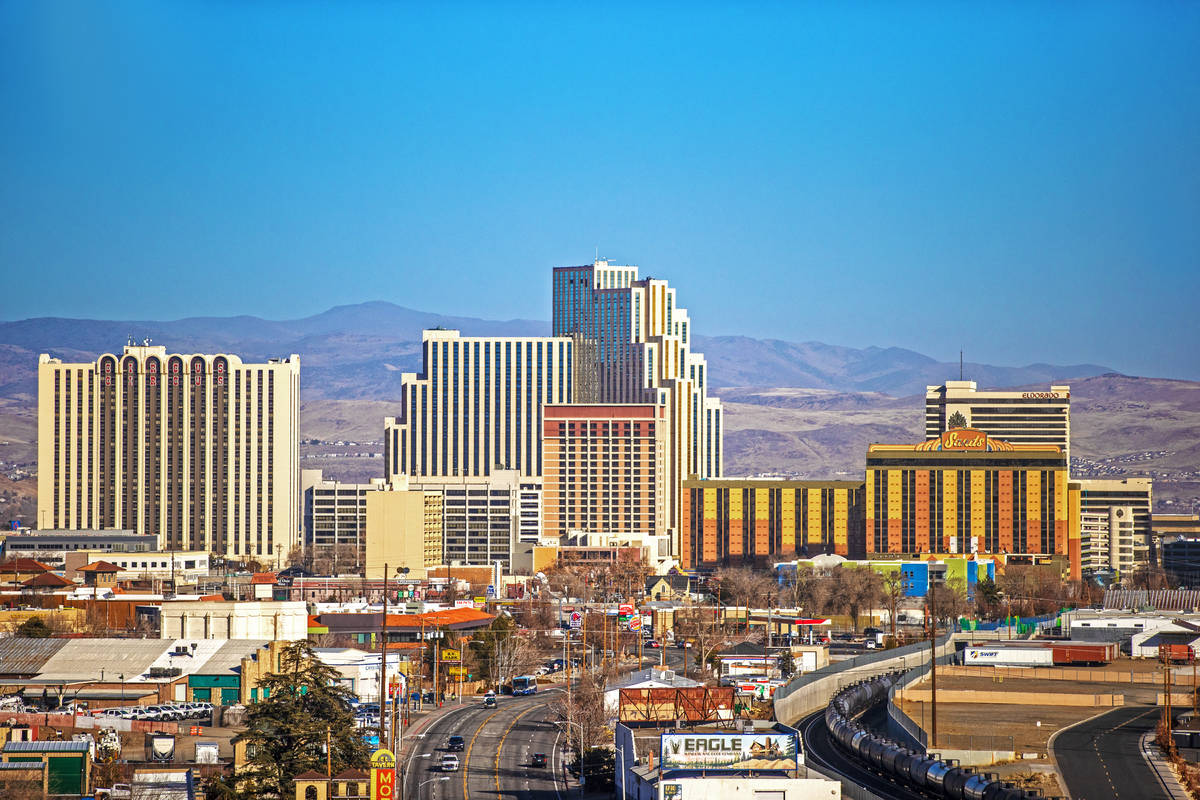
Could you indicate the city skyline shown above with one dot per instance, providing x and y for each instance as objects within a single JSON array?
[{"x": 811, "y": 174}]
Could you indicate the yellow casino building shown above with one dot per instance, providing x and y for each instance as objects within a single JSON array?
[{"x": 965, "y": 492}]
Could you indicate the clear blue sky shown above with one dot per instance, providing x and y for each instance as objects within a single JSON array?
[{"x": 1019, "y": 179}]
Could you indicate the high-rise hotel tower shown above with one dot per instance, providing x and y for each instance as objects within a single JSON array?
[
  {"x": 641, "y": 343},
  {"x": 476, "y": 407},
  {"x": 200, "y": 450}
]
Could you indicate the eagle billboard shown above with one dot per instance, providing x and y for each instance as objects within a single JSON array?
[{"x": 729, "y": 751}]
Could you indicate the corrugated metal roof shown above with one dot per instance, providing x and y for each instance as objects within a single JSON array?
[
  {"x": 26, "y": 656},
  {"x": 46, "y": 747},
  {"x": 84, "y": 658},
  {"x": 228, "y": 660},
  {"x": 21, "y": 765}
]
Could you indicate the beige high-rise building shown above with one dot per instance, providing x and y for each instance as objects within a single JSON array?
[
  {"x": 201, "y": 451},
  {"x": 476, "y": 407},
  {"x": 1026, "y": 417}
]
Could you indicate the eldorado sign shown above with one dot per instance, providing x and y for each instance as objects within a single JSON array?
[{"x": 728, "y": 751}]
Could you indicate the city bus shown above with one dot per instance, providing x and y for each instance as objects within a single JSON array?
[{"x": 526, "y": 684}]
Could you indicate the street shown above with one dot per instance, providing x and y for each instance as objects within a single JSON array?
[{"x": 495, "y": 763}]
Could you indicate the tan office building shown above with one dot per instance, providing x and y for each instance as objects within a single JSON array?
[
  {"x": 201, "y": 451},
  {"x": 395, "y": 533}
]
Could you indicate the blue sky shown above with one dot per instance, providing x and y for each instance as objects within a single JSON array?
[{"x": 1018, "y": 179}]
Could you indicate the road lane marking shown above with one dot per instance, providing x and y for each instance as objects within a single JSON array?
[
  {"x": 467, "y": 754},
  {"x": 505, "y": 736}
]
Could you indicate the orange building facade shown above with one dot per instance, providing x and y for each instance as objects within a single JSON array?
[
  {"x": 738, "y": 521},
  {"x": 965, "y": 492},
  {"x": 605, "y": 470}
]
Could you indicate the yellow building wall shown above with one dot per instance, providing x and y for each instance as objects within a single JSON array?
[
  {"x": 812, "y": 528},
  {"x": 736, "y": 528},
  {"x": 949, "y": 507},
  {"x": 869, "y": 503},
  {"x": 787, "y": 514},
  {"x": 395, "y": 533},
  {"x": 841, "y": 520},
  {"x": 978, "y": 508}
]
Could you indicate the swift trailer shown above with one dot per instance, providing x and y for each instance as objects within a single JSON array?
[
  {"x": 1059, "y": 653},
  {"x": 1008, "y": 656}
]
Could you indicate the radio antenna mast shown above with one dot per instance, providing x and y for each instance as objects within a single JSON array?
[{"x": 960, "y": 365}]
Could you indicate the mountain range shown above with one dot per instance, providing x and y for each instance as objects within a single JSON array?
[
  {"x": 794, "y": 408},
  {"x": 359, "y": 351}
]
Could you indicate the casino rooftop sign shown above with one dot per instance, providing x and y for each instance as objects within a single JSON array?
[{"x": 966, "y": 439}]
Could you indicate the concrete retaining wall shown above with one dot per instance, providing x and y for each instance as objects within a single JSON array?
[{"x": 1013, "y": 698}]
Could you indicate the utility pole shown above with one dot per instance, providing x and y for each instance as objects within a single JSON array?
[
  {"x": 933, "y": 664},
  {"x": 383, "y": 684}
]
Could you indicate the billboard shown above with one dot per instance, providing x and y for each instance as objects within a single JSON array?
[
  {"x": 729, "y": 751},
  {"x": 695, "y": 704}
]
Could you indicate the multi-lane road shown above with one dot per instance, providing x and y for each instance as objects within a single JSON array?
[
  {"x": 496, "y": 762},
  {"x": 1102, "y": 758}
]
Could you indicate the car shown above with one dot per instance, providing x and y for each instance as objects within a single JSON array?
[
  {"x": 538, "y": 760},
  {"x": 653, "y": 643},
  {"x": 871, "y": 645},
  {"x": 449, "y": 763},
  {"x": 456, "y": 742},
  {"x": 489, "y": 701}
]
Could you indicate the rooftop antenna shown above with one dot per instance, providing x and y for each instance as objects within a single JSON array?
[{"x": 960, "y": 365}]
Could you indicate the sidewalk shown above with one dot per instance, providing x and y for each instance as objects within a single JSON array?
[{"x": 1166, "y": 776}]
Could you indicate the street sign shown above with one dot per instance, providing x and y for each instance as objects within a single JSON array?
[
  {"x": 576, "y": 620},
  {"x": 491, "y": 591},
  {"x": 625, "y": 609}
]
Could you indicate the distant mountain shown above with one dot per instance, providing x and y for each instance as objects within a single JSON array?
[
  {"x": 359, "y": 351},
  {"x": 742, "y": 361}
]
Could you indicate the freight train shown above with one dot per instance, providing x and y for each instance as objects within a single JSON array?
[{"x": 933, "y": 776}]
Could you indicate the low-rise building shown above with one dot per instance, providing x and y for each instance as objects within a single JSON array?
[
  {"x": 51, "y": 546},
  {"x": 184, "y": 566},
  {"x": 219, "y": 619}
]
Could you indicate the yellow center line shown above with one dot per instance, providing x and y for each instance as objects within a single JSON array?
[
  {"x": 467, "y": 754},
  {"x": 505, "y": 736}
]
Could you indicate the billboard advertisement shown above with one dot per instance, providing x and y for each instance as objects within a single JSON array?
[{"x": 729, "y": 751}]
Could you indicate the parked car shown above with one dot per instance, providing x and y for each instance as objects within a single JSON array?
[{"x": 449, "y": 763}]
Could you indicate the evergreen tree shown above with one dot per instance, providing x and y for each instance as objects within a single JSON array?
[
  {"x": 303, "y": 704},
  {"x": 33, "y": 628}
]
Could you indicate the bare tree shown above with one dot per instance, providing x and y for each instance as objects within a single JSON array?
[
  {"x": 948, "y": 600},
  {"x": 856, "y": 589},
  {"x": 584, "y": 710},
  {"x": 895, "y": 583}
]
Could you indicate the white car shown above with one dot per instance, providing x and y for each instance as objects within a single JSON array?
[{"x": 449, "y": 763}]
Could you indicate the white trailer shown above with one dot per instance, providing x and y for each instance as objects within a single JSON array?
[{"x": 1009, "y": 656}]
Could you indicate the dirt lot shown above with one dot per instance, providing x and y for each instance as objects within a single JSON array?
[
  {"x": 974, "y": 726},
  {"x": 1134, "y": 692}
]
